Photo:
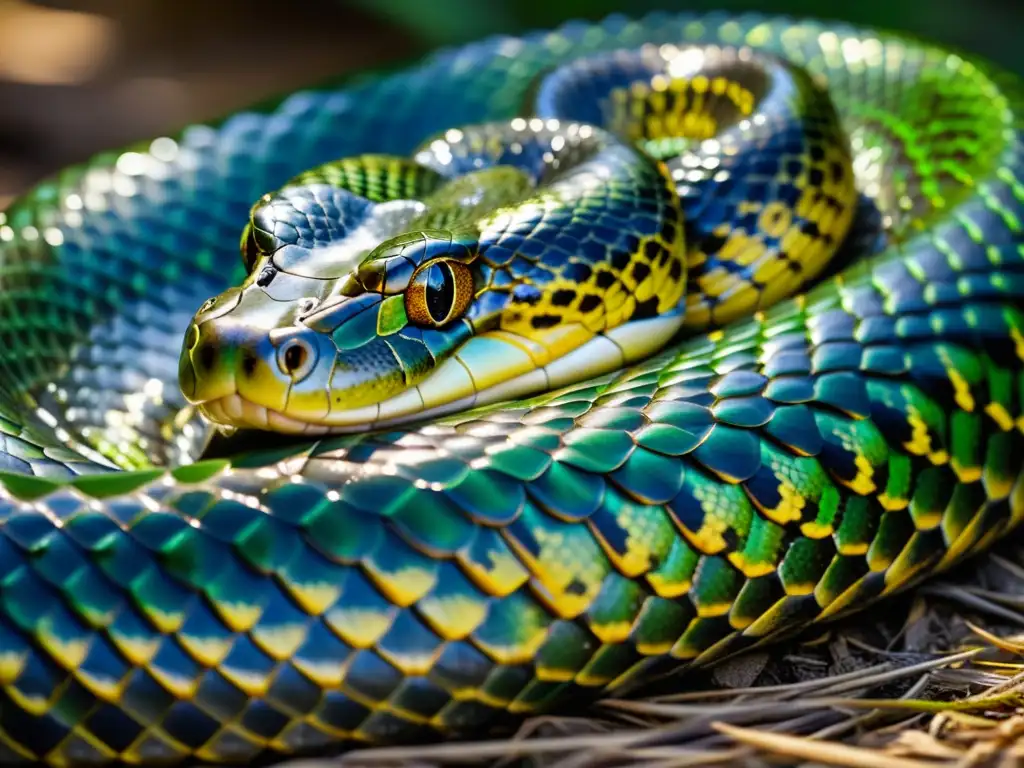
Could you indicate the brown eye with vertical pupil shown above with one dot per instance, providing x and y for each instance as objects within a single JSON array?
[{"x": 439, "y": 293}]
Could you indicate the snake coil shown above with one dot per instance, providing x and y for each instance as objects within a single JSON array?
[{"x": 778, "y": 468}]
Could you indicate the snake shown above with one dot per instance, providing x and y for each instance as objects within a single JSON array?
[{"x": 554, "y": 365}]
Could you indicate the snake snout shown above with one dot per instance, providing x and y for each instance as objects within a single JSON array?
[
  {"x": 228, "y": 360},
  {"x": 213, "y": 357}
]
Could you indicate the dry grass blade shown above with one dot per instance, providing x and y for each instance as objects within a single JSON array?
[
  {"x": 473, "y": 751},
  {"x": 974, "y": 600},
  {"x": 792, "y": 689},
  {"x": 1004, "y": 644},
  {"x": 828, "y": 753}
]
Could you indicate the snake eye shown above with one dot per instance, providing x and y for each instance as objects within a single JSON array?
[
  {"x": 296, "y": 359},
  {"x": 438, "y": 293},
  {"x": 250, "y": 248}
]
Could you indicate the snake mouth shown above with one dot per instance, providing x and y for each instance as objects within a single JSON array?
[
  {"x": 446, "y": 391},
  {"x": 234, "y": 410}
]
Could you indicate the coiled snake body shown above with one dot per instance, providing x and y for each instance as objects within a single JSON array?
[{"x": 655, "y": 504}]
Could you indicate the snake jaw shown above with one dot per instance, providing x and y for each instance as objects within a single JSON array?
[
  {"x": 484, "y": 370},
  {"x": 236, "y": 411}
]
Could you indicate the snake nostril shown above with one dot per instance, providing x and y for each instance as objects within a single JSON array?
[
  {"x": 248, "y": 362},
  {"x": 206, "y": 357}
]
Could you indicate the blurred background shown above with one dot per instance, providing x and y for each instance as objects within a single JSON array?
[{"x": 83, "y": 75}]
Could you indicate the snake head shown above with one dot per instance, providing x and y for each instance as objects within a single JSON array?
[
  {"x": 514, "y": 274},
  {"x": 303, "y": 353}
]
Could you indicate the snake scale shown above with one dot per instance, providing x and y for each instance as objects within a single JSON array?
[{"x": 663, "y": 505}]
